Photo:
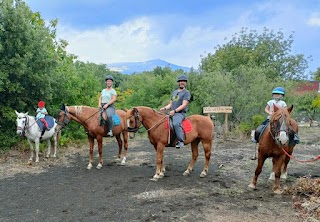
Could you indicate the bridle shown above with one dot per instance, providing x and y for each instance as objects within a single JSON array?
[
  {"x": 278, "y": 126},
  {"x": 26, "y": 124},
  {"x": 137, "y": 119},
  {"x": 65, "y": 119}
]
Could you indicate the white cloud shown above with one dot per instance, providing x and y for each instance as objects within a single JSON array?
[{"x": 315, "y": 21}]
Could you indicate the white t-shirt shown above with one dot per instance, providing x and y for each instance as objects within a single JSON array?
[{"x": 279, "y": 103}]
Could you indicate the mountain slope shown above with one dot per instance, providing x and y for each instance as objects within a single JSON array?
[{"x": 138, "y": 67}]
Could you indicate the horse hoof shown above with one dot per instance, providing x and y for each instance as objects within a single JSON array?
[
  {"x": 89, "y": 167},
  {"x": 186, "y": 173},
  {"x": 252, "y": 186},
  {"x": 161, "y": 175},
  {"x": 99, "y": 166},
  {"x": 277, "y": 191},
  {"x": 155, "y": 178},
  {"x": 203, "y": 174},
  {"x": 123, "y": 163},
  {"x": 284, "y": 176},
  {"x": 29, "y": 162}
]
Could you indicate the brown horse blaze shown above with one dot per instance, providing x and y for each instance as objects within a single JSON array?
[
  {"x": 277, "y": 136},
  {"x": 154, "y": 122},
  {"x": 89, "y": 118}
]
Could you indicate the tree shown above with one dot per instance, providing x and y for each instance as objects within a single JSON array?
[{"x": 268, "y": 50}]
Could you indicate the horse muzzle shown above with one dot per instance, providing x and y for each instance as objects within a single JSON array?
[
  {"x": 283, "y": 138},
  {"x": 19, "y": 132}
]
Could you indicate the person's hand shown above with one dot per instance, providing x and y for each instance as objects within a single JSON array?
[
  {"x": 172, "y": 112},
  {"x": 163, "y": 109}
]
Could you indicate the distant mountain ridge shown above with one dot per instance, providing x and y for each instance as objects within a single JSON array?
[{"x": 138, "y": 67}]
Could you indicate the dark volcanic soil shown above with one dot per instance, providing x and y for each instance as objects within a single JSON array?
[{"x": 63, "y": 189}]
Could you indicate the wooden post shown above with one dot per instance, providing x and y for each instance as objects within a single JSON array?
[{"x": 220, "y": 109}]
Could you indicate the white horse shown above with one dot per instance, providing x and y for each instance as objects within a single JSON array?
[{"x": 27, "y": 125}]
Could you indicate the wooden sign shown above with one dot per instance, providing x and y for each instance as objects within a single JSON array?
[{"x": 218, "y": 109}]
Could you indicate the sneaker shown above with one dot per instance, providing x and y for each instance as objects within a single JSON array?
[
  {"x": 110, "y": 133},
  {"x": 179, "y": 145}
]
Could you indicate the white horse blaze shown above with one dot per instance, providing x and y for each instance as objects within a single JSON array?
[{"x": 283, "y": 138}]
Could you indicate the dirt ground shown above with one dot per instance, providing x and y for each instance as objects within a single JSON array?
[{"x": 63, "y": 189}]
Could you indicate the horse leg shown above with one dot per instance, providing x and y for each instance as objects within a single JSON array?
[
  {"x": 159, "y": 161},
  {"x": 125, "y": 146},
  {"x": 36, "y": 141},
  {"x": 163, "y": 169},
  {"x": 277, "y": 171},
  {"x": 261, "y": 159},
  {"x": 118, "y": 137},
  {"x": 31, "y": 152},
  {"x": 99, "y": 140},
  {"x": 272, "y": 175},
  {"x": 55, "y": 143},
  {"x": 91, "y": 143},
  {"x": 284, "y": 173},
  {"x": 194, "y": 149},
  {"x": 207, "y": 154},
  {"x": 49, "y": 148}
]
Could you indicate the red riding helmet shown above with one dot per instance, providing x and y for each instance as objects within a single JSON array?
[{"x": 41, "y": 104}]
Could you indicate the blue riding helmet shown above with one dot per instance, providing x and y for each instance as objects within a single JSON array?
[
  {"x": 109, "y": 77},
  {"x": 182, "y": 78},
  {"x": 279, "y": 90}
]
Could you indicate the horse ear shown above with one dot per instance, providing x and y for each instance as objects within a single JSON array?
[
  {"x": 63, "y": 107},
  {"x": 16, "y": 112},
  {"x": 125, "y": 109},
  {"x": 290, "y": 108},
  {"x": 275, "y": 108}
]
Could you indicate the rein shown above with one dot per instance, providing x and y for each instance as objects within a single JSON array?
[
  {"x": 282, "y": 147},
  {"x": 301, "y": 161},
  {"x": 66, "y": 120},
  {"x": 137, "y": 117}
]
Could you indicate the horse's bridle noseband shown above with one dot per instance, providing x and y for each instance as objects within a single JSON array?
[
  {"x": 65, "y": 119},
  {"x": 136, "y": 120},
  {"x": 23, "y": 129}
]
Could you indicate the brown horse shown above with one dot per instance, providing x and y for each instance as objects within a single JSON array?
[
  {"x": 89, "y": 118},
  {"x": 155, "y": 124},
  {"x": 278, "y": 136}
]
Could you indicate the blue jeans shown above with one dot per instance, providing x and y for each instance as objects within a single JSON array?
[{"x": 177, "y": 119}]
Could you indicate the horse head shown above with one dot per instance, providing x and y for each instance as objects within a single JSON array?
[
  {"x": 63, "y": 118},
  {"x": 280, "y": 125},
  {"x": 22, "y": 120},
  {"x": 133, "y": 121}
]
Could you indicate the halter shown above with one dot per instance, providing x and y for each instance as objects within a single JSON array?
[
  {"x": 278, "y": 127},
  {"x": 26, "y": 124},
  {"x": 136, "y": 120},
  {"x": 65, "y": 119}
]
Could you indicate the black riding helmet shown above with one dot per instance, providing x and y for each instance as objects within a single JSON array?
[
  {"x": 182, "y": 78},
  {"x": 109, "y": 77}
]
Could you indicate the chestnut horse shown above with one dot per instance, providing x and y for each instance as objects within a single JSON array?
[
  {"x": 278, "y": 136},
  {"x": 89, "y": 118},
  {"x": 155, "y": 124}
]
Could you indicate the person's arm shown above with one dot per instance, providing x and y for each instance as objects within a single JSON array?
[
  {"x": 113, "y": 99},
  {"x": 267, "y": 110},
  {"x": 183, "y": 106},
  {"x": 99, "y": 102},
  {"x": 167, "y": 107}
]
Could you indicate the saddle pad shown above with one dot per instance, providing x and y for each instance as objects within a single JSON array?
[
  {"x": 116, "y": 120},
  {"x": 186, "y": 125},
  {"x": 49, "y": 120}
]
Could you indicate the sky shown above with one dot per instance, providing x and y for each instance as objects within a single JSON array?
[{"x": 178, "y": 31}]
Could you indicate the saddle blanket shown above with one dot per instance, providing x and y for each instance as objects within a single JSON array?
[
  {"x": 49, "y": 120},
  {"x": 186, "y": 125},
  {"x": 116, "y": 120}
]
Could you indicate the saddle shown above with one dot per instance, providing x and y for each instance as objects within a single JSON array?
[
  {"x": 50, "y": 122},
  {"x": 116, "y": 120},
  {"x": 186, "y": 128},
  {"x": 259, "y": 131}
]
